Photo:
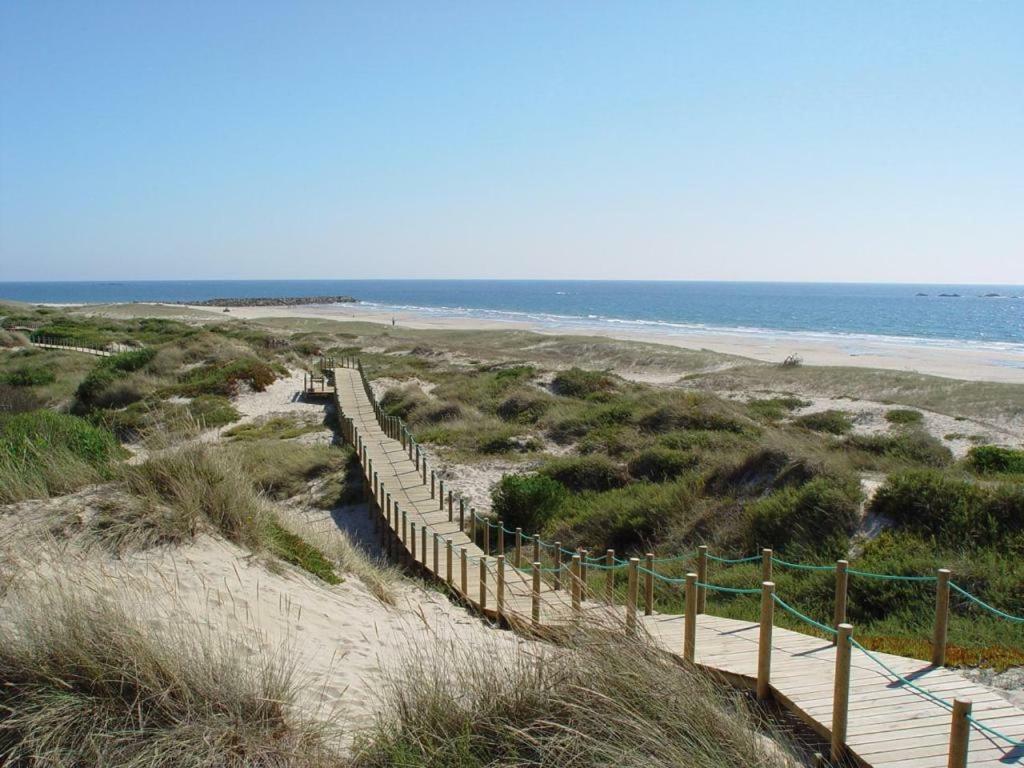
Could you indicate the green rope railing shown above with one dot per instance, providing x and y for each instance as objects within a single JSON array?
[
  {"x": 986, "y": 606},
  {"x": 733, "y": 561},
  {"x": 802, "y": 566},
  {"x": 803, "y": 617}
]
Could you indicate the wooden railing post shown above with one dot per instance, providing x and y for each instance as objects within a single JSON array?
[
  {"x": 842, "y": 584},
  {"x": 451, "y": 505},
  {"x": 941, "y": 617},
  {"x": 634, "y": 564},
  {"x": 487, "y": 536},
  {"x": 448, "y": 561},
  {"x": 535, "y": 595},
  {"x": 462, "y": 515},
  {"x": 483, "y": 582},
  {"x": 472, "y": 525},
  {"x": 417, "y": 458},
  {"x": 766, "y": 565},
  {"x": 436, "y": 548},
  {"x": 959, "y": 734},
  {"x": 412, "y": 539},
  {"x": 405, "y": 524},
  {"x": 841, "y": 692},
  {"x": 501, "y": 537},
  {"x": 609, "y": 576},
  {"x": 690, "y": 618},
  {"x": 423, "y": 547},
  {"x": 702, "y": 578},
  {"x": 574, "y": 576},
  {"x": 424, "y": 470},
  {"x": 501, "y": 585},
  {"x": 440, "y": 499},
  {"x": 764, "y": 642},
  {"x": 558, "y": 565},
  {"x": 464, "y": 569},
  {"x": 519, "y": 548},
  {"x": 433, "y": 481},
  {"x": 649, "y": 584}
]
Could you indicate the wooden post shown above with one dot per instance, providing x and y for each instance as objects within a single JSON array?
[
  {"x": 483, "y": 583},
  {"x": 702, "y": 578},
  {"x": 462, "y": 514},
  {"x": 841, "y": 692},
  {"x": 451, "y": 505},
  {"x": 464, "y": 572},
  {"x": 766, "y": 565},
  {"x": 535, "y": 595},
  {"x": 387, "y": 506},
  {"x": 558, "y": 565},
  {"x": 764, "y": 642},
  {"x": 649, "y": 584},
  {"x": 941, "y": 617},
  {"x": 472, "y": 525},
  {"x": 440, "y": 500},
  {"x": 424, "y": 470},
  {"x": 574, "y": 575},
  {"x": 690, "y": 619},
  {"x": 417, "y": 457},
  {"x": 487, "y": 536},
  {"x": 959, "y": 734},
  {"x": 448, "y": 561},
  {"x": 519, "y": 548},
  {"x": 412, "y": 538},
  {"x": 433, "y": 481},
  {"x": 501, "y": 585},
  {"x": 842, "y": 581},
  {"x": 536, "y": 547},
  {"x": 634, "y": 563},
  {"x": 436, "y": 548},
  {"x": 609, "y": 576},
  {"x": 405, "y": 526},
  {"x": 501, "y": 537}
]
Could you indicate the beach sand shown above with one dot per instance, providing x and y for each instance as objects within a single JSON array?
[{"x": 952, "y": 361}]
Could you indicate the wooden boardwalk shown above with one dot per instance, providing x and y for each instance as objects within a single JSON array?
[{"x": 889, "y": 724}]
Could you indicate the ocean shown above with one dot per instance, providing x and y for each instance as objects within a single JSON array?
[{"x": 971, "y": 315}]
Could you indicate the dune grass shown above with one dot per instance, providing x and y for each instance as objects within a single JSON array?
[
  {"x": 88, "y": 682},
  {"x": 596, "y": 701}
]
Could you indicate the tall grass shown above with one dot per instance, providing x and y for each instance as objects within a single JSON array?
[
  {"x": 602, "y": 700},
  {"x": 87, "y": 682}
]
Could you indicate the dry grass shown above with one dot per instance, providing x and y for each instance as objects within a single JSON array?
[
  {"x": 602, "y": 700},
  {"x": 86, "y": 682}
]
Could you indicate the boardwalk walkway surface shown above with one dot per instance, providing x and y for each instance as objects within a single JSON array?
[{"x": 888, "y": 724}]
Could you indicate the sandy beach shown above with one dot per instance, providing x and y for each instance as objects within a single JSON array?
[{"x": 1000, "y": 363}]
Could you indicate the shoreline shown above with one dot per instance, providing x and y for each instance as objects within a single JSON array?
[{"x": 995, "y": 365}]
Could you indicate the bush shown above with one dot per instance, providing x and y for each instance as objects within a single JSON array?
[
  {"x": 225, "y": 378},
  {"x": 29, "y": 376},
  {"x": 694, "y": 413},
  {"x": 523, "y": 407},
  {"x": 904, "y": 416},
  {"x": 954, "y": 512},
  {"x": 913, "y": 446},
  {"x": 817, "y": 517},
  {"x": 130, "y": 361},
  {"x": 585, "y": 473},
  {"x": 775, "y": 408},
  {"x": 576, "y": 382},
  {"x": 402, "y": 401},
  {"x": 213, "y": 411},
  {"x": 761, "y": 470},
  {"x": 660, "y": 464},
  {"x": 527, "y": 501},
  {"x": 832, "y": 422},
  {"x": 440, "y": 412},
  {"x": 43, "y": 452},
  {"x": 17, "y": 400},
  {"x": 993, "y": 459}
]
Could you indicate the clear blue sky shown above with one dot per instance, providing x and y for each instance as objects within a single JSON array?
[{"x": 866, "y": 141}]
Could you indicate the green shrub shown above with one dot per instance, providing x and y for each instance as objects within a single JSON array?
[
  {"x": 912, "y": 445},
  {"x": 402, "y": 401},
  {"x": 527, "y": 501},
  {"x": 955, "y": 512},
  {"x": 693, "y": 413},
  {"x": 225, "y": 378},
  {"x": 440, "y": 412},
  {"x": 660, "y": 464},
  {"x": 575, "y": 382},
  {"x": 43, "y": 452},
  {"x": 213, "y": 411},
  {"x": 29, "y": 376},
  {"x": 585, "y": 473},
  {"x": 524, "y": 407},
  {"x": 761, "y": 470},
  {"x": 994, "y": 459},
  {"x": 127, "y": 362},
  {"x": 832, "y": 422},
  {"x": 775, "y": 408},
  {"x": 817, "y": 517},
  {"x": 904, "y": 416}
]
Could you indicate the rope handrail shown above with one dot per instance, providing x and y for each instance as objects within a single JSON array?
[
  {"x": 733, "y": 561},
  {"x": 803, "y": 617},
  {"x": 986, "y": 606},
  {"x": 730, "y": 590},
  {"x": 890, "y": 576},
  {"x": 802, "y": 566}
]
